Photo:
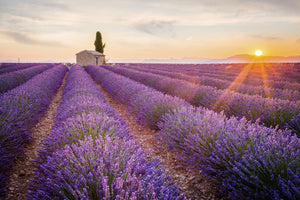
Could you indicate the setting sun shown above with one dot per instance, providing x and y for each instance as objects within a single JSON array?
[{"x": 258, "y": 52}]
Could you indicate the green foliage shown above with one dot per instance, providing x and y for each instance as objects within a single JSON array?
[{"x": 99, "y": 46}]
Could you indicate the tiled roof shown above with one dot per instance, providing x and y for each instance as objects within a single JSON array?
[{"x": 96, "y": 53}]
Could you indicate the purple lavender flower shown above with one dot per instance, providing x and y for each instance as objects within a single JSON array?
[
  {"x": 20, "y": 109},
  {"x": 13, "y": 79},
  {"x": 271, "y": 112},
  {"x": 249, "y": 160},
  {"x": 91, "y": 155},
  {"x": 86, "y": 169}
]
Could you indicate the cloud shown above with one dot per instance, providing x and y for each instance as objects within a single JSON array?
[
  {"x": 234, "y": 5},
  {"x": 36, "y": 10},
  {"x": 20, "y": 20},
  {"x": 52, "y": 5},
  {"x": 23, "y": 5},
  {"x": 25, "y": 38},
  {"x": 265, "y": 37},
  {"x": 156, "y": 27}
]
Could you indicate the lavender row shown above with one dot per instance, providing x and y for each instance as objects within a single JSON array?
[
  {"x": 286, "y": 72},
  {"x": 244, "y": 72},
  {"x": 11, "y": 80},
  {"x": 263, "y": 91},
  {"x": 91, "y": 155},
  {"x": 244, "y": 75},
  {"x": 249, "y": 160},
  {"x": 263, "y": 79},
  {"x": 4, "y": 65},
  {"x": 8, "y": 65},
  {"x": 147, "y": 103},
  {"x": 271, "y": 112},
  {"x": 20, "y": 110},
  {"x": 276, "y": 84},
  {"x": 15, "y": 67},
  {"x": 254, "y": 73}
]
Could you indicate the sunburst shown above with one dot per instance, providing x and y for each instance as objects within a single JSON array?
[{"x": 258, "y": 52}]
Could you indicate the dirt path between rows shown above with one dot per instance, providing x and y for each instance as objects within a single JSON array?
[
  {"x": 194, "y": 185},
  {"x": 23, "y": 169}
]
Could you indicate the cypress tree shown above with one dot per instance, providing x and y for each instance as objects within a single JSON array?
[{"x": 99, "y": 46}]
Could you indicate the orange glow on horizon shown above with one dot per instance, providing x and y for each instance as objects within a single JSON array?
[
  {"x": 239, "y": 80},
  {"x": 235, "y": 84},
  {"x": 265, "y": 80}
]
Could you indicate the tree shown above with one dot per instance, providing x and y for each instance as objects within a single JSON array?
[{"x": 99, "y": 46}]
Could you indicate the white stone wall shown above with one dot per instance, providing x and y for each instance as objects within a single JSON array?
[
  {"x": 85, "y": 58},
  {"x": 101, "y": 60}
]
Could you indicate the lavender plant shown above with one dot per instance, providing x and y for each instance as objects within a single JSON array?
[
  {"x": 294, "y": 125},
  {"x": 221, "y": 147},
  {"x": 149, "y": 105},
  {"x": 91, "y": 155},
  {"x": 280, "y": 76},
  {"x": 251, "y": 161},
  {"x": 270, "y": 169},
  {"x": 222, "y": 83},
  {"x": 271, "y": 112},
  {"x": 76, "y": 128},
  {"x": 83, "y": 104},
  {"x": 102, "y": 168},
  {"x": 11, "y": 80},
  {"x": 20, "y": 109},
  {"x": 15, "y": 67}
]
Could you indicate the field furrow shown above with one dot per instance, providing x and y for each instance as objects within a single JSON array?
[
  {"x": 236, "y": 85},
  {"x": 270, "y": 112},
  {"x": 23, "y": 169},
  {"x": 278, "y": 75},
  {"x": 194, "y": 185},
  {"x": 14, "y": 67},
  {"x": 11, "y": 80},
  {"x": 90, "y": 153},
  {"x": 247, "y": 159},
  {"x": 20, "y": 109}
]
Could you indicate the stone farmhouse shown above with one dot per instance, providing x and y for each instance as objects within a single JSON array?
[{"x": 89, "y": 57}]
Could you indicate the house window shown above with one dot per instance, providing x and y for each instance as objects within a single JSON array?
[{"x": 96, "y": 60}]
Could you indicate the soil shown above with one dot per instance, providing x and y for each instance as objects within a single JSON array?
[
  {"x": 23, "y": 169},
  {"x": 190, "y": 182}
]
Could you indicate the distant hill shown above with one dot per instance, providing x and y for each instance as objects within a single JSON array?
[
  {"x": 8, "y": 61},
  {"x": 242, "y": 58},
  {"x": 252, "y": 58}
]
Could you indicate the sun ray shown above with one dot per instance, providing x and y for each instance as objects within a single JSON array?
[
  {"x": 235, "y": 84},
  {"x": 265, "y": 80}
]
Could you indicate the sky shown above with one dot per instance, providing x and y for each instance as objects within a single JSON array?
[{"x": 55, "y": 30}]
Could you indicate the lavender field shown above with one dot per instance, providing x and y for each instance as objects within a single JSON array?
[{"x": 236, "y": 124}]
